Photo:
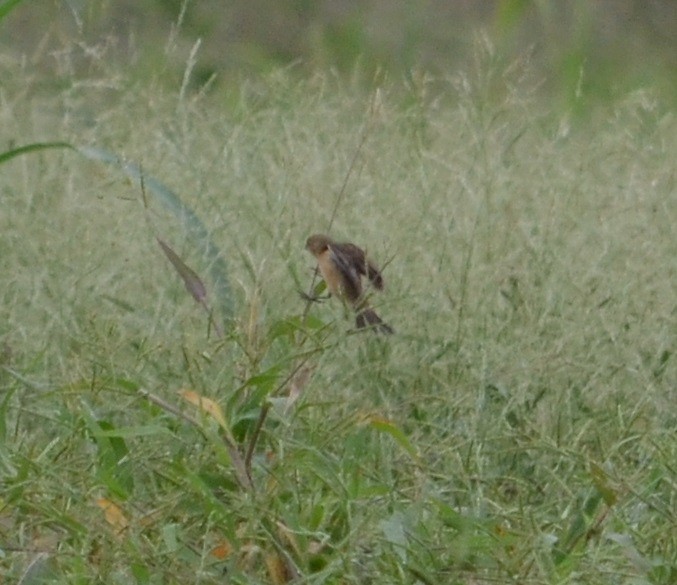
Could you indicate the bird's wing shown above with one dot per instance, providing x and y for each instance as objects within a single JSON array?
[
  {"x": 362, "y": 264},
  {"x": 374, "y": 275},
  {"x": 344, "y": 259}
]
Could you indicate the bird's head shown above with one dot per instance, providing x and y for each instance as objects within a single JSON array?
[{"x": 318, "y": 243}]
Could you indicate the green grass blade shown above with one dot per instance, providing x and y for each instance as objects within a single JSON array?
[
  {"x": 10, "y": 154},
  {"x": 218, "y": 269},
  {"x": 7, "y": 6},
  {"x": 386, "y": 426}
]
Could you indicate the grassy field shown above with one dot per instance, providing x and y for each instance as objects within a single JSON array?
[{"x": 518, "y": 428}]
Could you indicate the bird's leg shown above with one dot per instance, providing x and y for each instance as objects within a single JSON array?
[{"x": 313, "y": 298}]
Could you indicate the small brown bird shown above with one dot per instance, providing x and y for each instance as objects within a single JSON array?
[{"x": 342, "y": 266}]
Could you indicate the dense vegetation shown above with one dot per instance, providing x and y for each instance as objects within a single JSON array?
[{"x": 519, "y": 427}]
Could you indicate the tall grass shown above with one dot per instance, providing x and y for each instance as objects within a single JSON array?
[{"x": 518, "y": 428}]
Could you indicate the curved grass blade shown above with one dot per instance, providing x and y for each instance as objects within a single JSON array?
[
  {"x": 385, "y": 426},
  {"x": 10, "y": 154},
  {"x": 218, "y": 269}
]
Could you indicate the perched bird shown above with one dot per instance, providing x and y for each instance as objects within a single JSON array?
[{"x": 342, "y": 266}]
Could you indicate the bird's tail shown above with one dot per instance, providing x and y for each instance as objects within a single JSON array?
[{"x": 368, "y": 318}]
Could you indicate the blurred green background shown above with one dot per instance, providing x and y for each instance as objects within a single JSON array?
[{"x": 590, "y": 48}]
